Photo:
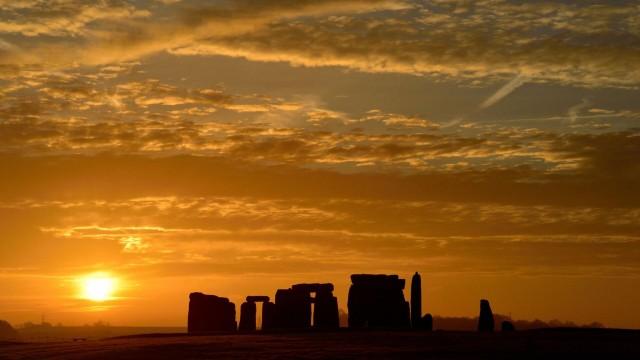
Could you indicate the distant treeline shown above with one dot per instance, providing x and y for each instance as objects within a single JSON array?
[
  {"x": 471, "y": 324},
  {"x": 46, "y": 331},
  {"x": 103, "y": 329}
]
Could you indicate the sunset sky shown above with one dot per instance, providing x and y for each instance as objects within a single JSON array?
[{"x": 235, "y": 147}]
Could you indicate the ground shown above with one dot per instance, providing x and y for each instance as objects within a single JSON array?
[{"x": 548, "y": 344}]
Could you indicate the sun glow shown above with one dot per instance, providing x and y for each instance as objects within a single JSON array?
[{"x": 98, "y": 287}]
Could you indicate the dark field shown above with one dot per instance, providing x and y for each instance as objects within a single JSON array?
[{"x": 548, "y": 344}]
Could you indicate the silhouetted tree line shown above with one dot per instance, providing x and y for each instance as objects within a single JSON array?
[{"x": 471, "y": 323}]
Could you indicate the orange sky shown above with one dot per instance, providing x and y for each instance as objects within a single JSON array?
[{"x": 234, "y": 147}]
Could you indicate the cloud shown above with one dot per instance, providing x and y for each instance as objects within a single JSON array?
[
  {"x": 78, "y": 112},
  {"x": 186, "y": 236},
  {"x": 594, "y": 184},
  {"x": 609, "y": 155},
  {"x": 574, "y": 111},
  {"x": 504, "y": 91},
  {"x": 60, "y": 18},
  {"x": 105, "y": 37},
  {"x": 562, "y": 43},
  {"x": 492, "y": 40}
]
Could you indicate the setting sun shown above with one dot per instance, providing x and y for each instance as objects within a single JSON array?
[{"x": 98, "y": 287}]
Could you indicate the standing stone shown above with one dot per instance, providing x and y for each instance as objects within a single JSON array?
[
  {"x": 377, "y": 301},
  {"x": 210, "y": 313},
  {"x": 416, "y": 300},
  {"x": 325, "y": 312},
  {"x": 248, "y": 316},
  {"x": 485, "y": 321},
  {"x": 293, "y": 309},
  {"x": 427, "y": 322},
  {"x": 268, "y": 315}
]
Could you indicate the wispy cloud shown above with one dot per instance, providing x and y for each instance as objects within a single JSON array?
[
  {"x": 504, "y": 91},
  {"x": 574, "y": 112}
]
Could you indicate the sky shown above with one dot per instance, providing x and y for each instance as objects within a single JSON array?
[{"x": 238, "y": 147}]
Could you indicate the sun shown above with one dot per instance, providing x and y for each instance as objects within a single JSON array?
[{"x": 98, "y": 287}]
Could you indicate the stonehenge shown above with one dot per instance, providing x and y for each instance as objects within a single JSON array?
[
  {"x": 377, "y": 301},
  {"x": 374, "y": 302},
  {"x": 485, "y": 321},
  {"x": 210, "y": 313}
]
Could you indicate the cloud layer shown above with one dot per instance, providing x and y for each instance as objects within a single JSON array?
[{"x": 581, "y": 44}]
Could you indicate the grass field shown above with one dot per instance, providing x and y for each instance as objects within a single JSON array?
[{"x": 547, "y": 344}]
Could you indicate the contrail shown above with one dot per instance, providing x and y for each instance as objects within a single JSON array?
[
  {"x": 504, "y": 91},
  {"x": 507, "y": 89}
]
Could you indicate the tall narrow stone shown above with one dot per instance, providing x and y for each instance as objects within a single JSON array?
[
  {"x": 416, "y": 301},
  {"x": 485, "y": 321}
]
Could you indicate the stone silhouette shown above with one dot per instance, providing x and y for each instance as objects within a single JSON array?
[
  {"x": 293, "y": 307},
  {"x": 268, "y": 315},
  {"x": 485, "y": 321},
  {"x": 427, "y": 323},
  {"x": 248, "y": 313},
  {"x": 507, "y": 326},
  {"x": 416, "y": 301},
  {"x": 210, "y": 313},
  {"x": 258, "y": 298},
  {"x": 247, "y": 316},
  {"x": 377, "y": 301},
  {"x": 325, "y": 312}
]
